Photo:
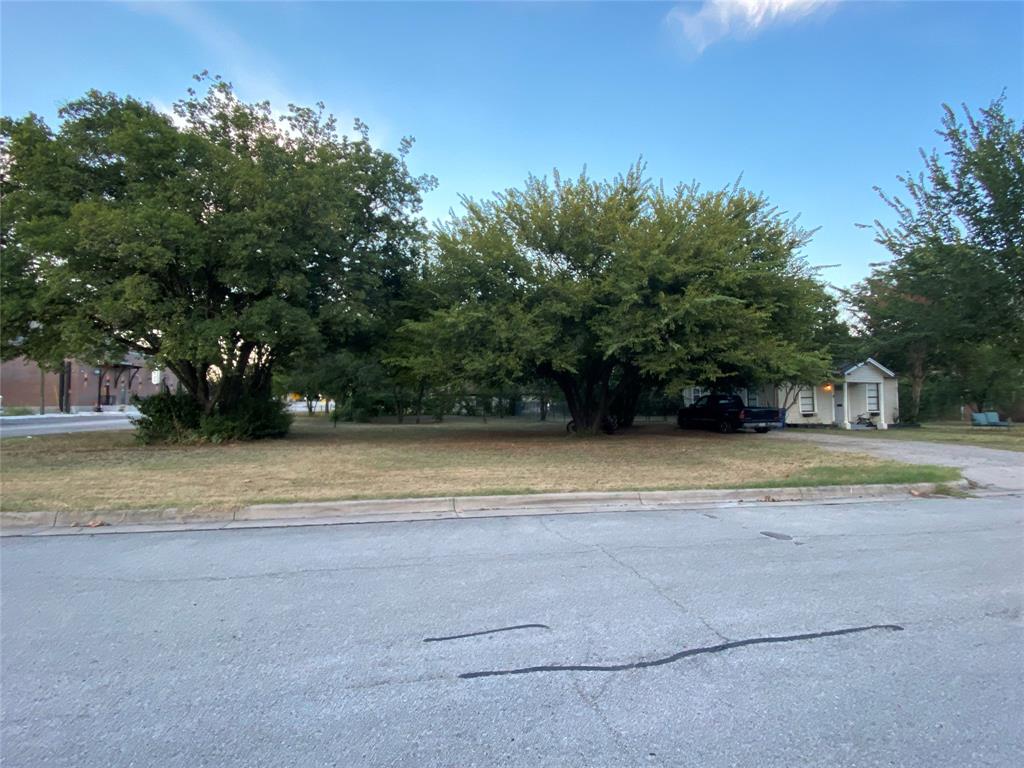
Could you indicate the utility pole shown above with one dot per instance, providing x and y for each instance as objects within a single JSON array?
[{"x": 42, "y": 391}]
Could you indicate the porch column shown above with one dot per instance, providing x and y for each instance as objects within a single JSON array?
[
  {"x": 881, "y": 406},
  {"x": 846, "y": 405},
  {"x": 832, "y": 396}
]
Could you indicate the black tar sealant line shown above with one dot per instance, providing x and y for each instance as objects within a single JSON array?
[
  {"x": 485, "y": 632},
  {"x": 681, "y": 655}
]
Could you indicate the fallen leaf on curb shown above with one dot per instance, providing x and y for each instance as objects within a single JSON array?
[
  {"x": 95, "y": 523},
  {"x": 916, "y": 493}
]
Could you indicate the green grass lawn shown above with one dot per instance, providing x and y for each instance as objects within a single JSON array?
[
  {"x": 1005, "y": 438},
  {"x": 319, "y": 462}
]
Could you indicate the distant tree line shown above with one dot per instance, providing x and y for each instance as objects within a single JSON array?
[
  {"x": 948, "y": 310},
  {"x": 253, "y": 254}
]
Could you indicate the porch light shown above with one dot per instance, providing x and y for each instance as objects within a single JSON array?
[{"x": 827, "y": 386}]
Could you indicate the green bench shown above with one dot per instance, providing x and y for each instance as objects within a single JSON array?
[{"x": 988, "y": 419}]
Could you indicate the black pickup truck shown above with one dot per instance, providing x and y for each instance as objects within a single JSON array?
[{"x": 727, "y": 413}]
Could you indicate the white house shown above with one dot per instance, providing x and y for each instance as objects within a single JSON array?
[{"x": 867, "y": 388}]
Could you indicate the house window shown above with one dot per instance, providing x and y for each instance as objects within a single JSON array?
[
  {"x": 696, "y": 394},
  {"x": 807, "y": 401},
  {"x": 872, "y": 394},
  {"x": 751, "y": 398}
]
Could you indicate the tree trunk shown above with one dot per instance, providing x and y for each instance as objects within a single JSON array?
[
  {"x": 627, "y": 395},
  {"x": 916, "y": 386},
  {"x": 586, "y": 396},
  {"x": 789, "y": 396},
  {"x": 225, "y": 394},
  {"x": 917, "y": 379},
  {"x": 399, "y": 405}
]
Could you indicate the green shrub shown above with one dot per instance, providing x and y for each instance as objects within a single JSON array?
[
  {"x": 18, "y": 410},
  {"x": 168, "y": 418},
  {"x": 178, "y": 418},
  {"x": 252, "y": 419}
]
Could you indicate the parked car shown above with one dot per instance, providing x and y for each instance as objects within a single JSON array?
[{"x": 727, "y": 413}]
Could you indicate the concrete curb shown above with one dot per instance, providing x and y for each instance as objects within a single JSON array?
[{"x": 437, "y": 508}]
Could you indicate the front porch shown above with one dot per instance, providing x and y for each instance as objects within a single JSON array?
[{"x": 859, "y": 402}]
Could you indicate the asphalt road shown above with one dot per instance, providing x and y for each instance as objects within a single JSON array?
[
  {"x": 712, "y": 638},
  {"x": 23, "y": 426}
]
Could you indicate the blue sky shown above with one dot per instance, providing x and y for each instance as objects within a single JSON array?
[{"x": 812, "y": 102}]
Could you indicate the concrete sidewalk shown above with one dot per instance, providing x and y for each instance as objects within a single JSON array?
[{"x": 439, "y": 508}]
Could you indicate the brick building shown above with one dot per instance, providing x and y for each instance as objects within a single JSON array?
[{"x": 23, "y": 385}]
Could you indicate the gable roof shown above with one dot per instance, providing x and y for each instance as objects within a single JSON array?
[{"x": 847, "y": 368}]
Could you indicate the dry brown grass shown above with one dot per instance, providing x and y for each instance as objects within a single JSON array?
[{"x": 103, "y": 471}]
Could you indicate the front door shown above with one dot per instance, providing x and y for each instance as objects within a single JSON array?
[{"x": 837, "y": 395}]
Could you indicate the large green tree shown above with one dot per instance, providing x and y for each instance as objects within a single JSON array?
[
  {"x": 605, "y": 288},
  {"x": 225, "y": 242},
  {"x": 965, "y": 211},
  {"x": 955, "y": 285},
  {"x": 904, "y": 319}
]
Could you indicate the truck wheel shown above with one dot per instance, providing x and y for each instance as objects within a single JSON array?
[
  {"x": 571, "y": 427},
  {"x": 761, "y": 430},
  {"x": 725, "y": 426}
]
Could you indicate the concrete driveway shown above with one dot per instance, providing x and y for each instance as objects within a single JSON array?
[
  {"x": 849, "y": 635},
  {"x": 988, "y": 467}
]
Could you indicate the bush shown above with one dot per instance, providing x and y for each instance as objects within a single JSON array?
[
  {"x": 252, "y": 419},
  {"x": 17, "y": 410},
  {"x": 178, "y": 418},
  {"x": 168, "y": 418}
]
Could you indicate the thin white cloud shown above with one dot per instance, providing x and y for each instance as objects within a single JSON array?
[
  {"x": 714, "y": 20},
  {"x": 251, "y": 69}
]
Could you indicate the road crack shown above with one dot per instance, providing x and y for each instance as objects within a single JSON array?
[
  {"x": 681, "y": 654},
  {"x": 646, "y": 579},
  {"x": 485, "y": 632}
]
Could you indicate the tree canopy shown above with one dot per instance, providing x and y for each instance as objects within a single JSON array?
[
  {"x": 225, "y": 242},
  {"x": 603, "y": 288},
  {"x": 951, "y": 301}
]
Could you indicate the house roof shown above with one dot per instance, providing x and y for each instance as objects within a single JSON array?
[{"x": 847, "y": 368}]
